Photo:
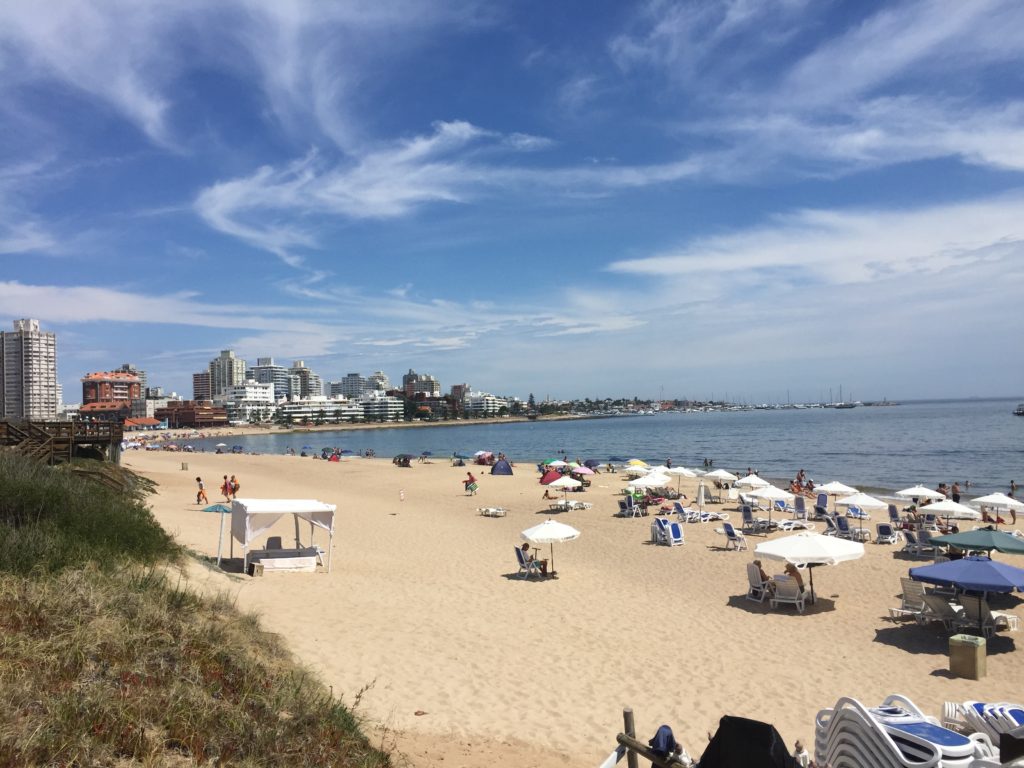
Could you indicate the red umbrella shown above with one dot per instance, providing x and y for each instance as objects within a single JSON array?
[{"x": 550, "y": 477}]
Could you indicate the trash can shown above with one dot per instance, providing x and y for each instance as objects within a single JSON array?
[{"x": 967, "y": 654}]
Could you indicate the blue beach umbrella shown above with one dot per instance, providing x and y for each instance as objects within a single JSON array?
[
  {"x": 591, "y": 463},
  {"x": 976, "y": 574},
  {"x": 223, "y": 510},
  {"x": 615, "y": 458}
]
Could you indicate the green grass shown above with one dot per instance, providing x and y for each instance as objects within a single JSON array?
[{"x": 107, "y": 659}]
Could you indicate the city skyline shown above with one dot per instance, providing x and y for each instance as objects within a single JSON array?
[{"x": 595, "y": 199}]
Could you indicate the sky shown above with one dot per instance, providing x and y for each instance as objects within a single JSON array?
[{"x": 768, "y": 199}]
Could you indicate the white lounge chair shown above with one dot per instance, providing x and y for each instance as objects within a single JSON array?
[
  {"x": 977, "y": 614},
  {"x": 733, "y": 538},
  {"x": 912, "y": 603},
  {"x": 527, "y": 568},
  {"x": 758, "y": 589},
  {"x": 938, "y": 609},
  {"x": 675, "y": 534},
  {"x": 788, "y": 592},
  {"x": 886, "y": 534}
]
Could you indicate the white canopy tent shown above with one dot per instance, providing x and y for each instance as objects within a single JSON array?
[{"x": 251, "y": 518}]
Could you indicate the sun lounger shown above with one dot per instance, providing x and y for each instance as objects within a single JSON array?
[
  {"x": 992, "y": 719},
  {"x": 733, "y": 538},
  {"x": 492, "y": 511},
  {"x": 894, "y": 734},
  {"x": 821, "y": 506},
  {"x": 675, "y": 534},
  {"x": 886, "y": 534},
  {"x": 912, "y": 602},
  {"x": 799, "y": 508},
  {"x": 937, "y": 608},
  {"x": 788, "y": 592},
  {"x": 757, "y": 589},
  {"x": 753, "y": 524},
  {"x": 795, "y": 524},
  {"x": 978, "y": 615}
]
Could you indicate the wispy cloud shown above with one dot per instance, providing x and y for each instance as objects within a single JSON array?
[{"x": 835, "y": 247}]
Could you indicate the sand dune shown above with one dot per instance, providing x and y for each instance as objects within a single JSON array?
[{"x": 424, "y": 605}]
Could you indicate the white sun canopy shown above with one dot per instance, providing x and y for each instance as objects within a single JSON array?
[{"x": 251, "y": 518}]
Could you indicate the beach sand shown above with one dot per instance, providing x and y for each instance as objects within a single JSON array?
[{"x": 423, "y": 605}]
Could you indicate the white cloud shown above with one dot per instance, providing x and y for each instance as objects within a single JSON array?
[{"x": 835, "y": 247}]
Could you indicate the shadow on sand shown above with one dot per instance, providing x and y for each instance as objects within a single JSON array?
[
  {"x": 933, "y": 640},
  {"x": 821, "y": 605}
]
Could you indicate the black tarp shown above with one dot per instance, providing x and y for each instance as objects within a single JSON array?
[{"x": 743, "y": 743}]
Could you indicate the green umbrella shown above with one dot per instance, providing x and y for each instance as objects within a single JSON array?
[{"x": 983, "y": 538}]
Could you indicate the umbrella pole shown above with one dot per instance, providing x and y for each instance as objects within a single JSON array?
[
  {"x": 220, "y": 539},
  {"x": 809, "y": 568},
  {"x": 552, "y": 545}
]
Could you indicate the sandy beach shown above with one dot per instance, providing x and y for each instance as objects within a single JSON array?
[{"x": 423, "y": 606}]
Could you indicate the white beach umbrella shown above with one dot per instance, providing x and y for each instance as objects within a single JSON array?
[
  {"x": 680, "y": 473},
  {"x": 636, "y": 471},
  {"x": 810, "y": 549},
  {"x": 549, "y": 532},
  {"x": 919, "y": 492},
  {"x": 752, "y": 481},
  {"x": 651, "y": 481},
  {"x": 997, "y": 501},
  {"x": 558, "y": 463},
  {"x": 565, "y": 483},
  {"x": 861, "y": 500},
  {"x": 771, "y": 493},
  {"x": 835, "y": 488},
  {"x": 950, "y": 509},
  {"x": 721, "y": 474}
]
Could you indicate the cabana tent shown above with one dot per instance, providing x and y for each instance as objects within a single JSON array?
[
  {"x": 501, "y": 467},
  {"x": 251, "y": 518}
]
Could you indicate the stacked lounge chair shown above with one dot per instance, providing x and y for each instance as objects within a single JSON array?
[
  {"x": 893, "y": 735},
  {"x": 994, "y": 719}
]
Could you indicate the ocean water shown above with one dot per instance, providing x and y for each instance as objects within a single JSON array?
[{"x": 876, "y": 449}]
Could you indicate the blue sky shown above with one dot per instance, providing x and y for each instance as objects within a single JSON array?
[{"x": 571, "y": 199}]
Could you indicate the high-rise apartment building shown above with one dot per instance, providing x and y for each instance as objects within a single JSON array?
[
  {"x": 379, "y": 381},
  {"x": 413, "y": 383},
  {"x": 265, "y": 372},
  {"x": 130, "y": 368},
  {"x": 310, "y": 384},
  {"x": 28, "y": 372},
  {"x": 352, "y": 386},
  {"x": 201, "y": 388},
  {"x": 226, "y": 371}
]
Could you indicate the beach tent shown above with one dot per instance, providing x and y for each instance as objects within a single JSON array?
[
  {"x": 550, "y": 477},
  {"x": 501, "y": 467},
  {"x": 251, "y": 518},
  {"x": 743, "y": 743}
]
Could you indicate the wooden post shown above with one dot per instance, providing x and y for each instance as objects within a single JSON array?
[{"x": 629, "y": 729}]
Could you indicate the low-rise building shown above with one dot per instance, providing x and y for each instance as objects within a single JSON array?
[
  {"x": 250, "y": 402},
  {"x": 192, "y": 413},
  {"x": 319, "y": 410},
  {"x": 378, "y": 406},
  {"x": 481, "y": 404}
]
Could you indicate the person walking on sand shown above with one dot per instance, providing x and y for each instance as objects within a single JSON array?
[
  {"x": 225, "y": 489},
  {"x": 235, "y": 486},
  {"x": 201, "y": 491},
  {"x": 469, "y": 483}
]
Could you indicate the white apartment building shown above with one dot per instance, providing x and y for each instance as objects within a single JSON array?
[
  {"x": 379, "y": 380},
  {"x": 329, "y": 410},
  {"x": 225, "y": 371},
  {"x": 414, "y": 383},
  {"x": 266, "y": 372},
  {"x": 483, "y": 404},
  {"x": 28, "y": 372},
  {"x": 248, "y": 402},
  {"x": 380, "y": 407}
]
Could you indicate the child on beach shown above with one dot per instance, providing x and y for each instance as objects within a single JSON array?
[
  {"x": 235, "y": 486},
  {"x": 225, "y": 489},
  {"x": 201, "y": 492}
]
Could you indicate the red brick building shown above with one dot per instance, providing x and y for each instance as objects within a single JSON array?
[
  {"x": 110, "y": 387},
  {"x": 200, "y": 414}
]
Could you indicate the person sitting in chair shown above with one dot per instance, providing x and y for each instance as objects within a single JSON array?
[
  {"x": 794, "y": 573},
  {"x": 530, "y": 558}
]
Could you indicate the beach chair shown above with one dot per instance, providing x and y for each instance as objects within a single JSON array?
[
  {"x": 675, "y": 534},
  {"x": 757, "y": 590},
  {"x": 795, "y": 525},
  {"x": 733, "y": 538},
  {"x": 912, "y": 600},
  {"x": 821, "y": 506},
  {"x": 659, "y": 530},
  {"x": 843, "y": 530},
  {"x": 711, "y": 495},
  {"x": 930, "y": 522},
  {"x": 885, "y": 534},
  {"x": 830, "y": 526},
  {"x": 924, "y": 542},
  {"x": 799, "y": 508},
  {"x": 857, "y": 513},
  {"x": 894, "y": 517},
  {"x": 684, "y": 514},
  {"x": 527, "y": 567},
  {"x": 911, "y": 545},
  {"x": 274, "y": 543},
  {"x": 471, "y": 489},
  {"x": 992, "y": 719},
  {"x": 787, "y": 592},
  {"x": 977, "y": 614},
  {"x": 937, "y": 608},
  {"x": 752, "y": 524}
]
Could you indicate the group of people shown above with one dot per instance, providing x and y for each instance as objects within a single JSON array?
[
  {"x": 790, "y": 570},
  {"x": 229, "y": 489},
  {"x": 802, "y": 485}
]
